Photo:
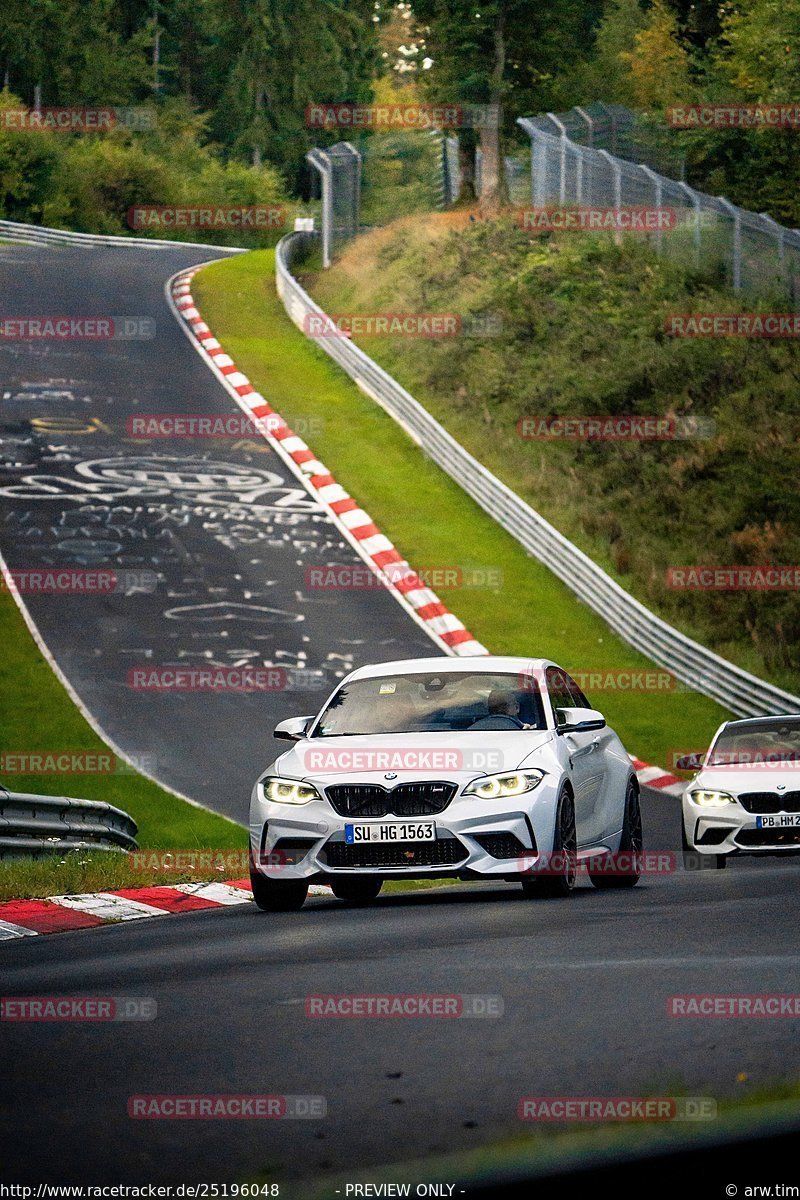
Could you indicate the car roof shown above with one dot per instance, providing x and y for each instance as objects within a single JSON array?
[
  {"x": 488, "y": 664},
  {"x": 755, "y": 720}
]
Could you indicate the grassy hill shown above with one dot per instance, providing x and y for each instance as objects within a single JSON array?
[{"x": 583, "y": 333}]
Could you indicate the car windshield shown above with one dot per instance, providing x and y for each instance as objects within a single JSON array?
[
  {"x": 429, "y": 703},
  {"x": 743, "y": 743}
]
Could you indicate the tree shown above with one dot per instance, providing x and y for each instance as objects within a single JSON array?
[
  {"x": 504, "y": 54},
  {"x": 658, "y": 62},
  {"x": 282, "y": 55},
  {"x": 759, "y": 49},
  {"x": 607, "y": 76}
]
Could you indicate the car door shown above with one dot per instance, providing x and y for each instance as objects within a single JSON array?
[{"x": 586, "y": 759}]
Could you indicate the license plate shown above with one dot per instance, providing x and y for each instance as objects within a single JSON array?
[
  {"x": 413, "y": 831},
  {"x": 779, "y": 821}
]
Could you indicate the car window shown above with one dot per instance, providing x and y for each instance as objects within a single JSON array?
[
  {"x": 429, "y": 703},
  {"x": 578, "y": 698},
  {"x": 561, "y": 696},
  {"x": 741, "y": 743}
]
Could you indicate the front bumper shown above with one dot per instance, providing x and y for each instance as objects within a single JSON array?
[
  {"x": 308, "y": 841},
  {"x": 733, "y": 830}
]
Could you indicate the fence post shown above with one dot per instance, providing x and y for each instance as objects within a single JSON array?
[
  {"x": 658, "y": 189},
  {"x": 589, "y": 122},
  {"x": 737, "y": 242},
  {"x": 562, "y": 178},
  {"x": 695, "y": 202},
  {"x": 321, "y": 163},
  {"x": 355, "y": 202},
  {"x": 540, "y": 149},
  {"x": 612, "y": 162},
  {"x": 578, "y": 174},
  {"x": 539, "y": 161},
  {"x": 612, "y": 122},
  {"x": 440, "y": 188},
  {"x": 450, "y": 148}
]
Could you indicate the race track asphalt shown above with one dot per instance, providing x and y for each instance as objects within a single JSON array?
[
  {"x": 584, "y": 982},
  {"x": 221, "y": 524},
  {"x": 584, "y": 986}
]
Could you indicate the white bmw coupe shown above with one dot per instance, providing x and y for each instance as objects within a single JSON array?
[
  {"x": 468, "y": 768},
  {"x": 746, "y": 798}
]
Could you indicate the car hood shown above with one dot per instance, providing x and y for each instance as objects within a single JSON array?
[
  {"x": 456, "y": 756},
  {"x": 759, "y": 778}
]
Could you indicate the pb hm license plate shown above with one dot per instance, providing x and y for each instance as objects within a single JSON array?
[
  {"x": 779, "y": 821},
  {"x": 412, "y": 831}
]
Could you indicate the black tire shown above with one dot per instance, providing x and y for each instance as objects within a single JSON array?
[
  {"x": 630, "y": 844},
  {"x": 694, "y": 860},
  {"x": 361, "y": 889},
  {"x": 565, "y": 850},
  {"x": 273, "y": 895}
]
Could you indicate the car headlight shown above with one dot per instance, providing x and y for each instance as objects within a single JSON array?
[
  {"x": 711, "y": 799},
  {"x": 288, "y": 791},
  {"x": 510, "y": 783}
]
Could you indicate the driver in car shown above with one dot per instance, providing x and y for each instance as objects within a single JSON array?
[{"x": 504, "y": 709}]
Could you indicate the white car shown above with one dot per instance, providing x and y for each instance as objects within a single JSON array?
[
  {"x": 746, "y": 798},
  {"x": 470, "y": 768}
]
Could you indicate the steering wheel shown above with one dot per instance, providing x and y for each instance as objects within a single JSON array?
[{"x": 493, "y": 721}]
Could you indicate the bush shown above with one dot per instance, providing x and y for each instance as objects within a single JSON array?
[{"x": 87, "y": 182}]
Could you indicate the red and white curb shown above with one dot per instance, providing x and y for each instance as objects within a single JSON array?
[
  {"x": 658, "y": 778},
  {"x": 26, "y": 918},
  {"x": 356, "y": 525}
]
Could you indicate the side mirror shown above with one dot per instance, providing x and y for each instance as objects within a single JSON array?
[
  {"x": 690, "y": 762},
  {"x": 579, "y": 720},
  {"x": 292, "y": 730}
]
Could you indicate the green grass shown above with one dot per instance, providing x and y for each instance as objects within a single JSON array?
[
  {"x": 37, "y": 714},
  {"x": 428, "y": 517},
  {"x": 97, "y": 871},
  {"x": 583, "y": 334}
]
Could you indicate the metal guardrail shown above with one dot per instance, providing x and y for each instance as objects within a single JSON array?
[
  {"x": 702, "y": 670},
  {"x": 36, "y": 825},
  {"x": 15, "y": 231}
]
